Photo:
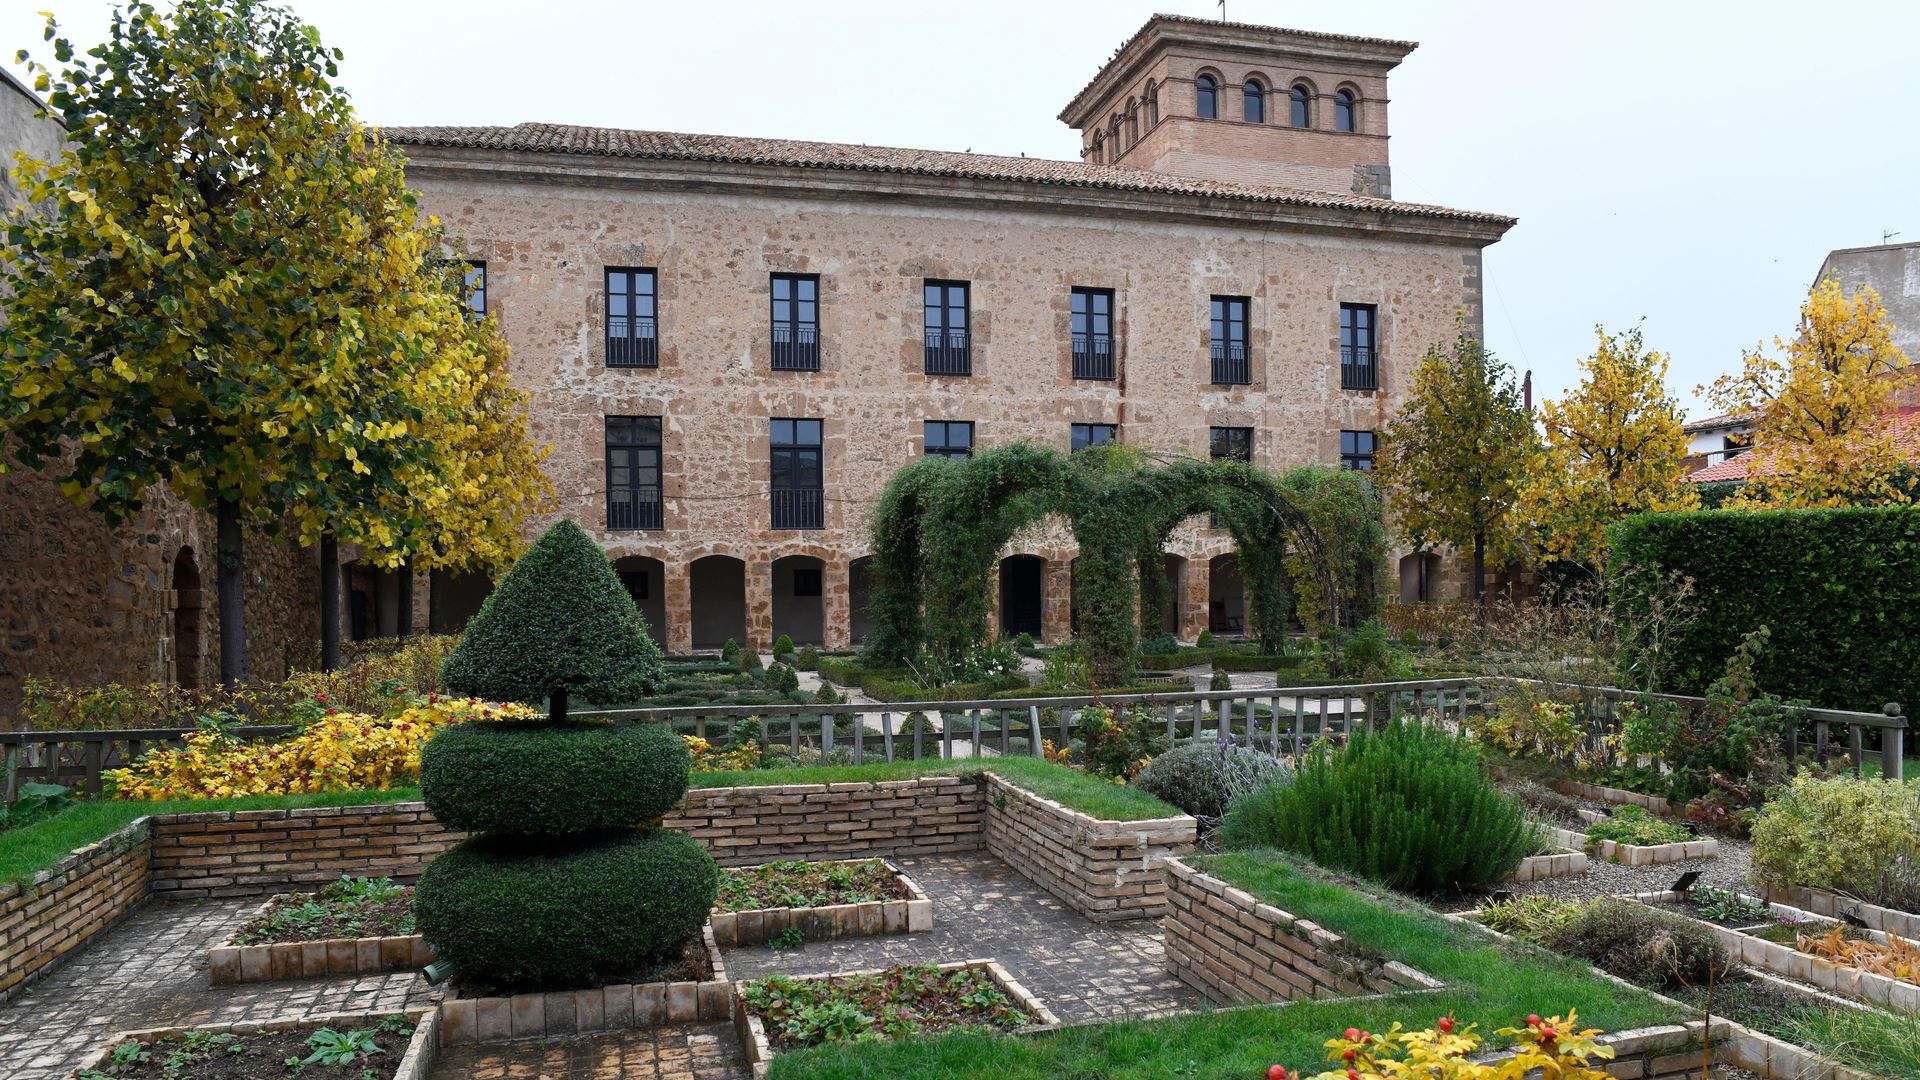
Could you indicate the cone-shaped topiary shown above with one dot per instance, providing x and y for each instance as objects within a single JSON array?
[
  {"x": 559, "y": 624},
  {"x": 565, "y": 885}
]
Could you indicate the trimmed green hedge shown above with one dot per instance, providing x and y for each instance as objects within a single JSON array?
[
  {"x": 1839, "y": 590},
  {"x": 565, "y": 913},
  {"x": 549, "y": 779}
]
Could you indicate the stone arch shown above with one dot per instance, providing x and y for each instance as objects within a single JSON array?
[
  {"x": 718, "y": 585},
  {"x": 1419, "y": 576},
  {"x": 189, "y": 620},
  {"x": 799, "y": 599},
  {"x": 646, "y": 580},
  {"x": 1023, "y": 596}
]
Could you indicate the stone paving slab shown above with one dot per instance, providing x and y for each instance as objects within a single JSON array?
[
  {"x": 151, "y": 971},
  {"x": 680, "y": 1052},
  {"x": 983, "y": 909}
]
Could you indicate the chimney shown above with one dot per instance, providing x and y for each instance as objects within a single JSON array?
[{"x": 1526, "y": 389}]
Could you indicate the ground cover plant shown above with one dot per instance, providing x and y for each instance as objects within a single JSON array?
[
  {"x": 349, "y": 908},
  {"x": 1489, "y": 982},
  {"x": 807, "y": 884},
  {"x": 1203, "y": 775},
  {"x": 1656, "y": 949},
  {"x": 1726, "y": 907},
  {"x": 1634, "y": 825},
  {"x": 313, "y": 1052},
  {"x": 885, "y": 1005},
  {"x": 1409, "y": 806}
]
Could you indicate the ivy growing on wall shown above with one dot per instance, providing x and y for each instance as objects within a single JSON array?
[{"x": 1311, "y": 544}]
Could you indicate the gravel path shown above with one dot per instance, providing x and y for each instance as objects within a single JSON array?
[{"x": 1732, "y": 868}]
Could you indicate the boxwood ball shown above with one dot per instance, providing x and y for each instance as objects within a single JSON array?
[
  {"x": 543, "y": 779},
  {"x": 524, "y": 914}
]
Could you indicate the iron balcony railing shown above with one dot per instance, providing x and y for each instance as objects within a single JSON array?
[
  {"x": 632, "y": 342},
  {"x": 1230, "y": 364},
  {"x": 799, "y": 508},
  {"x": 949, "y": 352},
  {"x": 1358, "y": 368},
  {"x": 634, "y": 508},
  {"x": 1092, "y": 356},
  {"x": 796, "y": 348}
]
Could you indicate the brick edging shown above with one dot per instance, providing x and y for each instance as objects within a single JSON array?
[
  {"x": 830, "y": 922},
  {"x": 71, "y": 902},
  {"x": 1105, "y": 870}
]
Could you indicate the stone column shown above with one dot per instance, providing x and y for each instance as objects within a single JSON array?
[
  {"x": 677, "y": 583},
  {"x": 994, "y": 622},
  {"x": 1195, "y": 588},
  {"x": 836, "y": 604},
  {"x": 1056, "y": 602},
  {"x": 759, "y": 571}
]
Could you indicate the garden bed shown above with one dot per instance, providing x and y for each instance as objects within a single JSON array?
[
  {"x": 821, "y": 901},
  {"x": 1637, "y": 854},
  {"x": 1654, "y": 804},
  {"x": 350, "y": 927},
  {"x": 1569, "y": 862},
  {"x": 696, "y": 989},
  {"x": 371, "y": 1046},
  {"x": 782, "y": 1013},
  {"x": 1771, "y": 947},
  {"x": 1832, "y": 905}
]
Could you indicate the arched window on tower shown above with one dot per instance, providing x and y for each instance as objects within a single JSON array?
[
  {"x": 1206, "y": 98},
  {"x": 1133, "y": 121},
  {"x": 1345, "y": 109},
  {"x": 1153, "y": 103},
  {"x": 1253, "y": 102},
  {"x": 1300, "y": 99},
  {"x": 1099, "y": 147},
  {"x": 1115, "y": 146}
]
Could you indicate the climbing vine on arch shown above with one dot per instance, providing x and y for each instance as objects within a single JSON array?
[{"x": 1310, "y": 542}]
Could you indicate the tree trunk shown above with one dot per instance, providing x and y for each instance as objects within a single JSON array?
[
  {"x": 1480, "y": 574},
  {"x": 557, "y": 706},
  {"x": 405, "y": 574},
  {"x": 329, "y": 602},
  {"x": 232, "y": 586}
]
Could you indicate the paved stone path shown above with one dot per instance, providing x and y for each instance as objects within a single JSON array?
[
  {"x": 982, "y": 909},
  {"x": 151, "y": 971}
]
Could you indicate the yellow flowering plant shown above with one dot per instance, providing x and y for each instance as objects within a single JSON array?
[
  {"x": 737, "y": 756},
  {"x": 338, "y": 751},
  {"x": 1553, "y": 1048}
]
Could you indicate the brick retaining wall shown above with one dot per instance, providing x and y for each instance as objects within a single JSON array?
[
  {"x": 69, "y": 903},
  {"x": 1105, "y": 870},
  {"x": 1231, "y": 947},
  {"x": 930, "y": 815},
  {"x": 248, "y": 852}
]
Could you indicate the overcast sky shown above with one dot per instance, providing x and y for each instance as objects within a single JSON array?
[{"x": 1689, "y": 162}]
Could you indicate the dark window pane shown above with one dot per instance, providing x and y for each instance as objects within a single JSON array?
[
  {"x": 806, "y": 581},
  {"x": 1253, "y": 103},
  {"x": 1230, "y": 443},
  {"x": 633, "y": 473},
  {"x": 1343, "y": 111},
  {"x": 632, "y": 333},
  {"x": 1206, "y": 94},
  {"x": 1301, "y": 103}
]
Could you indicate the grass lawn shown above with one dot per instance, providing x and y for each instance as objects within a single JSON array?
[
  {"x": 1491, "y": 983},
  {"x": 32, "y": 848},
  {"x": 1087, "y": 794}
]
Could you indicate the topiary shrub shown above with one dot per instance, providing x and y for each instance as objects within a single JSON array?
[
  {"x": 783, "y": 645},
  {"x": 1656, "y": 949},
  {"x": 730, "y": 651},
  {"x": 1220, "y": 680},
  {"x": 1202, "y": 776},
  {"x": 1848, "y": 834},
  {"x": 513, "y": 913},
  {"x": 1204, "y": 641},
  {"x": 565, "y": 884},
  {"x": 808, "y": 659},
  {"x": 1409, "y": 806},
  {"x": 548, "y": 779},
  {"x": 781, "y": 679},
  {"x": 747, "y": 660},
  {"x": 560, "y": 623}
]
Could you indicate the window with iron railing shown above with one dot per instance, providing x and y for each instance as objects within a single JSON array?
[
  {"x": 796, "y": 322},
  {"x": 633, "y": 472},
  {"x": 949, "y": 347},
  {"x": 1359, "y": 361},
  {"x": 633, "y": 338},
  {"x": 1228, "y": 335},
  {"x": 798, "y": 489},
  {"x": 1093, "y": 334}
]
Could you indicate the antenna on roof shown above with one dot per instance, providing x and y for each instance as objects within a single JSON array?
[
  {"x": 1223, "y": 10},
  {"x": 1888, "y": 234}
]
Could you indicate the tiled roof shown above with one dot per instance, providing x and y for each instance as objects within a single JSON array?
[
  {"x": 1905, "y": 425},
  {"x": 727, "y": 149},
  {"x": 1711, "y": 422}
]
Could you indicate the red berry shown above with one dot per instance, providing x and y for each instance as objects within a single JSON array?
[
  {"x": 1348, "y": 1056},
  {"x": 1276, "y": 1072},
  {"x": 1533, "y": 1019},
  {"x": 1353, "y": 1074},
  {"x": 1446, "y": 1025},
  {"x": 1546, "y": 1032},
  {"x": 1353, "y": 1034}
]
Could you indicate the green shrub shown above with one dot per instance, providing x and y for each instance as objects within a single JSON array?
[
  {"x": 1220, "y": 680},
  {"x": 1409, "y": 806},
  {"x": 929, "y": 738},
  {"x": 1656, "y": 949},
  {"x": 1531, "y": 918},
  {"x": 1839, "y": 589},
  {"x": 1546, "y": 804},
  {"x": 748, "y": 660},
  {"x": 559, "y": 624},
  {"x": 783, "y": 645},
  {"x": 808, "y": 659},
  {"x": 1851, "y": 835},
  {"x": 780, "y": 678},
  {"x": 1116, "y": 742},
  {"x": 1161, "y": 644},
  {"x": 549, "y": 779},
  {"x": 1024, "y": 641},
  {"x": 1634, "y": 825},
  {"x": 565, "y": 913},
  {"x": 1368, "y": 655},
  {"x": 1737, "y": 735},
  {"x": 1202, "y": 776},
  {"x": 1205, "y": 640},
  {"x": 730, "y": 651}
]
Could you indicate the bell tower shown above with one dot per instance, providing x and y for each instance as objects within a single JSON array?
[{"x": 1236, "y": 102}]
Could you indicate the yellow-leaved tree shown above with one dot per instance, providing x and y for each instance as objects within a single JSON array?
[
  {"x": 1453, "y": 458},
  {"x": 1614, "y": 446},
  {"x": 1821, "y": 406}
]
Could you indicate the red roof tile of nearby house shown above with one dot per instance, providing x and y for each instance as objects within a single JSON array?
[
  {"x": 727, "y": 149},
  {"x": 1905, "y": 425},
  {"x": 1720, "y": 421}
]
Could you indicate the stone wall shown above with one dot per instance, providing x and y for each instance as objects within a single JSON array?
[
  {"x": 931, "y": 815},
  {"x": 1105, "y": 870},
  {"x": 67, "y": 905},
  {"x": 1231, "y": 947},
  {"x": 246, "y": 852}
]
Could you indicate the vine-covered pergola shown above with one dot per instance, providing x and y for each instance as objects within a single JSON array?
[{"x": 1310, "y": 539}]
